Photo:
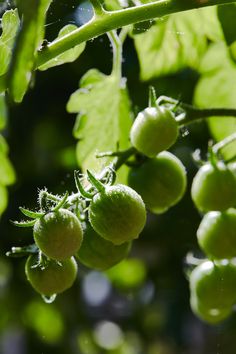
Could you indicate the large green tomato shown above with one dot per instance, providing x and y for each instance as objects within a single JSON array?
[
  {"x": 58, "y": 234},
  {"x": 217, "y": 234},
  {"x": 154, "y": 130},
  {"x": 214, "y": 188},
  {"x": 53, "y": 278},
  {"x": 160, "y": 181},
  {"x": 210, "y": 315},
  {"x": 117, "y": 214},
  {"x": 98, "y": 253},
  {"x": 214, "y": 284}
]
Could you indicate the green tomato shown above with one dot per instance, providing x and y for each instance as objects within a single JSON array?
[
  {"x": 210, "y": 315},
  {"x": 58, "y": 234},
  {"x": 154, "y": 130},
  {"x": 117, "y": 214},
  {"x": 214, "y": 284},
  {"x": 160, "y": 181},
  {"x": 53, "y": 278},
  {"x": 214, "y": 188},
  {"x": 217, "y": 234},
  {"x": 98, "y": 253}
]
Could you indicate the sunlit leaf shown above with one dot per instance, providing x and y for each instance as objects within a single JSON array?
[
  {"x": 216, "y": 88},
  {"x": 104, "y": 118},
  {"x": 10, "y": 23},
  {"x": 68, "y": 56},
  {"x": 176, "y": 42},
  {"x": 27, "y": 43}
]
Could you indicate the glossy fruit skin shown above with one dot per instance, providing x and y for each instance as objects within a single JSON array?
[
  {"x": 160, "y": 181},
  {"x": 54, "y": 278},
  {"x": 154, "y": 130},
  {"x": 209, "y": 315},
  {"x": 214, "y": 188},
  {"x": 58, "y": 234},
  {"x": 217, "y": 234},
  {"x": 214, "y": 284},
  {"x": 98, "y": 253},
  {"x": 117, "y": 214}
]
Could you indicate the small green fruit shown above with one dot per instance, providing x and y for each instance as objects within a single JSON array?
[
  {"x": 154, "y": 130},
  {"x": 214, "y": 188},
  {"x": 98, "y": 253},
  {"x": 117, "y": 214},
  {"x": 58, "y": 234},
  {"x": 160, "y": 181},
  {"x": 53, "y": 278}
]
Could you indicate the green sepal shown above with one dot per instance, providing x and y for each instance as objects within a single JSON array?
[
  {"x": 80, "y": 188},
  {"x": 61, "y": 203},
  {"x": 30, "y": 213},
  {"x": 95, "y": 182},
  {"x": 22, "y": 251},
  {"x": 23, "y": 223}
]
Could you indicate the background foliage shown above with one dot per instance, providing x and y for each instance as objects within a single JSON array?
[{"x": 143, "y": 305}]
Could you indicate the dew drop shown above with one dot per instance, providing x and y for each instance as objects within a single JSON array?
[{"x": 49, "y": 299}]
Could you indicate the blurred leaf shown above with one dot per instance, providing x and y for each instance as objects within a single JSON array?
[
  {"x": 45, "y": 320},
  {"x": 3, "y": 199},
  {"x": 104, "y": 117},
  {"x": 176, "y": 42},
  {"x": 27, "y": 43},
  {"x": 216, "y": 88},
  {"x": 112, "y": 5},
  {"x": 3, "y": 111},
  {"x": 227, "y": 15},
  {"x": 128, "y": 274},
  {"x": 3, "y": 145},
  {"x": 7, "y": 174},
  {"x": 10, "y": 23},
  {"x": 68, "y": 56}
]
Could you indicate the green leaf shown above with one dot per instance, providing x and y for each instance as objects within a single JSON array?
[
  {"x": 27, "y": 43},
  {"x": 227, "y": 15},
  {"x": 3, "y": 112},
  {"x": 216, "y": 88},
  {"x": 10, "y": 24},
  {"x": 104, "y": 118},
  {"x": 3, "y": 199},
  {"x": 3, "y": 145},
  {"x": 68, "y": 56},
  {"x": 176, "y": 42},
  {"x": 7, "y": 174},
  {"x": 112, "y": 5}
]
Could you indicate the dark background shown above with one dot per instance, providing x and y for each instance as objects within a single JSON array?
[{"x": 152, "y": 316}]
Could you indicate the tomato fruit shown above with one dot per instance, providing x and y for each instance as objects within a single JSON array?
[
  {"x": 98, "y": 253},
  {"x": 54, "y": 278},
  {"x": 58, "y": 234},
  {"x": 214, "y": 284},
  {"x": 160, "y": 181},
  {"x": 209, "y": 315},
  {"x": 214, "y": 188},
  {"x": 217, "y": 234},
  {"x": 154, "y": 130},
  {"x": 117, "y": 214}
]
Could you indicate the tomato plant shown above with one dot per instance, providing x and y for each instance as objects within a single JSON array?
[{"x": 155, "y": 121}]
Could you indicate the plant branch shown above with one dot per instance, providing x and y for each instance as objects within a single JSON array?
[
  {"x": 109, "y": 21},
  {"x": 193, "y": 114},
  {"x": 97, "y": 7}
]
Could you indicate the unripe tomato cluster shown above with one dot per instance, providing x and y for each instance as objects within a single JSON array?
[
  {"x": 161, "y": 179},
  {"x": 99, "y": 232},
  {"x": 116, "y": 215},
  {"x": 213, "y": 282}
]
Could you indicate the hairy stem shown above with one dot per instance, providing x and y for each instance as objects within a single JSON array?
[{"x": 109, "y": 21}]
